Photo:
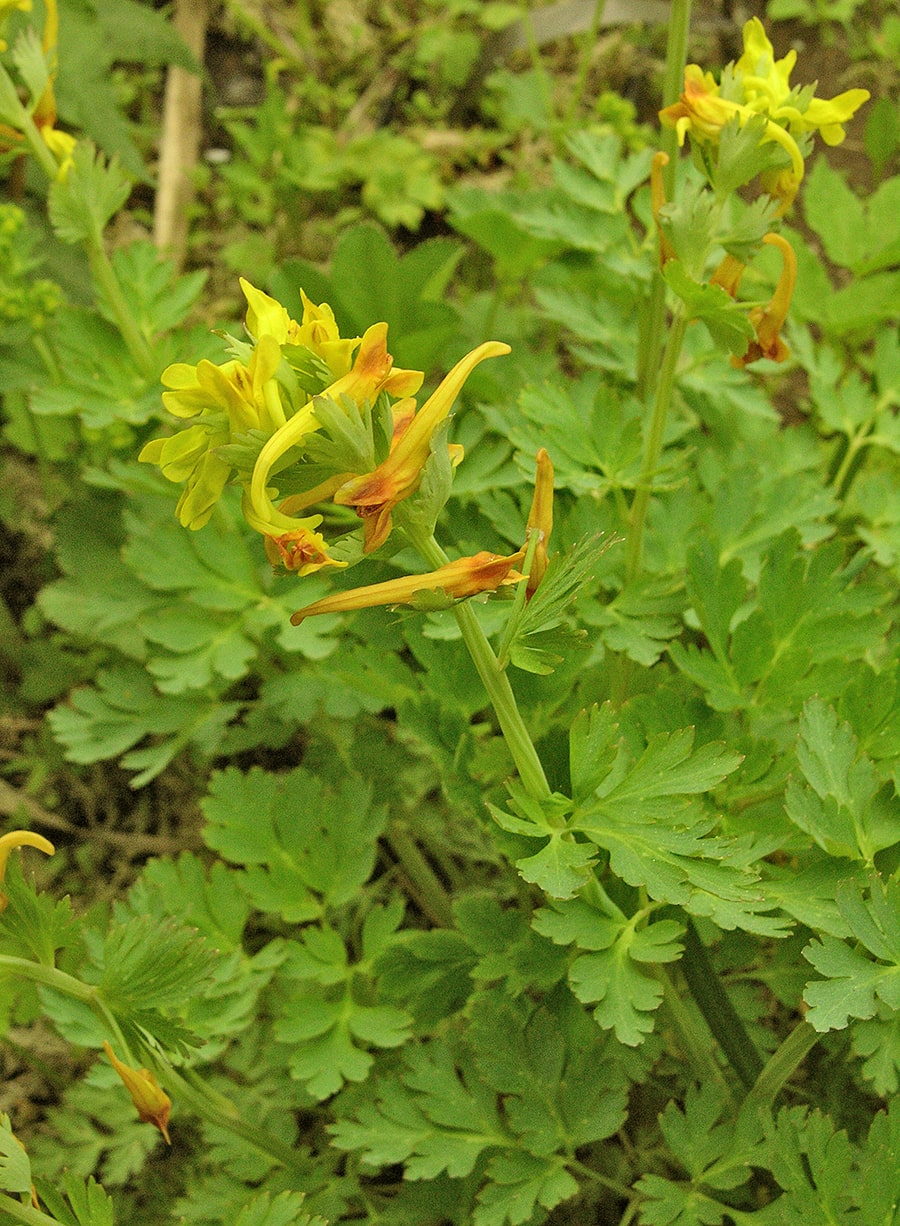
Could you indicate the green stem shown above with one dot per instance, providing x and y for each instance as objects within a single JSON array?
[
  {"x": 620, "y": 1189},
  {"x": 42, "y": 154},
  {"x": 588, "y": 41},
  {"x": 25, "y": 1213},
  {"x": 673, "y": 83},
  {"x": 537, "y": 65},
  {"x": 718, "y": 1011},
  {"x": 673, "y": 79},
  {"x": 429, "y": 892},
  {"x": 693, "y": 1040},
  {"x": 496, "y": 682},
  {"x": 105, "y": 277},
  {"x": 653, "y": 443},
  {"x": 782, "y": 1064},
  {"x": 49, "y": 976},
  {"x": 217, "y": 1109}
]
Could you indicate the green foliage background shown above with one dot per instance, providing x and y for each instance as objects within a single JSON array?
[{"x": 300, "y": 877}]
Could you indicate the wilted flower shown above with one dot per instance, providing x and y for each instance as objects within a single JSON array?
[
  {"x": 540, "y": 519},
  {"x": 152, "y": 1103}
]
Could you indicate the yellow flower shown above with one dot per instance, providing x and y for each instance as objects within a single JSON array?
[
  {"x": 317, "y": 331},
  {"x": 483, "y": 572},
  {"x": 372, "y": 372},
  {"x": 152, "y": 1103},
  {"x": 19, "y": 838},
  {"x": 374, "y": 495},
  {"x": 702, "y": 111},
  {"x": 761, "y": 85},
  {"x": 766, "y": 87}
]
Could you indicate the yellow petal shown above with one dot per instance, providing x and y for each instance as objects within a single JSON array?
[{"x": 265, "y": 316}]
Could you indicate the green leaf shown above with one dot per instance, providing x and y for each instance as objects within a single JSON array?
[
  {"x": 509, "y": 948},
  {"x": 809, "y": 613},
  {"x": 285, "y": 1209},
  {"x": 122, "y": 708},
  {"x": 304, "y": 846},
  {"x": 879, "y": 1168},
  {"x": 813, "y": 1163},
  {"x": 842, "y": 806},
  {"x": 726, "y": 320},
  {"x": 439, "y": 1117},
  {"x": 322, "y": 1014},
  {"x": 28, "y": 56},
  {"x": 857, "y": 978},
  {"x": 15, "y": 1169},
  {"x": 159, "y": 298},
  {"x": 146, "y": 964},
  {"x": 34, "y": 924},
  {"x": 591, "y": 431},
  {"x": 93, "y": 191},
  {"x": 519, "y": 1183},
  {"x": 658, "y": 837},
  {"x": 563, "y": 865},
  {"x": 613, "y": 973},
  {"x": 718, "y": 1152},
  {"x": 94, "y": 36},
  {"x": 537, "y": 631},
  {"x": 90, "y": 1204}
]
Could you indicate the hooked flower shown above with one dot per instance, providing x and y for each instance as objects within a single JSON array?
[
  {"x": 152, "y": 1103},
  {"x": 19, "y": 838},
  {"x": 769, "y": 320},
  {"x": 374, "y": 495},
  {"x": 483, "y": 572}
]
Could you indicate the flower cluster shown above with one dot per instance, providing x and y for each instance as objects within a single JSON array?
[
  {"x": 301, "y": 417},
  {"x": 40, "y": 115},
  {"x": 759, "y": 85}
]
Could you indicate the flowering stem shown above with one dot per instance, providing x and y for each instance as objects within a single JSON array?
[
  {"x": 430, "y": 894},
  {"x": 653, "y": 443},
  {"x": 673, "y": 83},
  {"x": 673, "y": 79},
  {"x": 781, "y": 1065},
  {"x": 496, "y": 682},
  {"x": 718, "y": 1011},
  {"x": 105, "y": 277},
  {"x": 50, "y": 977}
]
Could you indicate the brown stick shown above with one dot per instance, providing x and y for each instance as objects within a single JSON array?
[{"x": 180, "y": 142}]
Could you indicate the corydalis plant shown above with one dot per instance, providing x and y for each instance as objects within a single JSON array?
[{"x": 299, "y": 417}]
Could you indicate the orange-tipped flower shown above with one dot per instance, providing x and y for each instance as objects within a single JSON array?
[
  {"x": 768, "y": 321},
  {"x": 483, "y": 572},
  {"x": 375, "y": 494},
  {"x": 152, "y": 1103},
  {"x": 19, "y": 838}
]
